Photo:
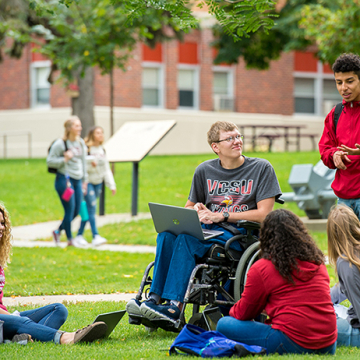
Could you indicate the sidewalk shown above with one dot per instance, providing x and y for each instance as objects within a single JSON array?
[
  {"x": 50, "y": 299},
  {"x": 28, "y": 235}
]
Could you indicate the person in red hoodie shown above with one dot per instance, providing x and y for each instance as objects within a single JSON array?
[
  {"x": 339, "y": 146},
  {"x": 290, "y": 284}
]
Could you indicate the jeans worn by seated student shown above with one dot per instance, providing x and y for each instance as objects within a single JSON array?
[
  {"x": 42, "y": 323},
  {"x": 256, "y": 333}
]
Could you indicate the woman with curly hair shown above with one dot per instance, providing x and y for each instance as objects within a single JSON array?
[
  {"x": 42, "y": 323},
  {"x": 343, "y": 229},
  {"x": 290, "y": 282}
]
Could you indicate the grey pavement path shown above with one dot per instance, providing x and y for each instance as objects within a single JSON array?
[
  {"x": 50, "y": 299},
  {"x": 28, "y": 235}
]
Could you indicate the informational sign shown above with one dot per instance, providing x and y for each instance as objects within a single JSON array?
[
  {"x": 135, "y": 139},
  {"x": 132, "y": 142}
]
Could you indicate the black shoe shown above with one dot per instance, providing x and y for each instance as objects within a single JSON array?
[{"x": 160, "y": 312}]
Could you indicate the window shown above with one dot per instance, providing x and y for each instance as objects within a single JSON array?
[
  {"x": 221, "y": 83},
  {"x": 331, "y": 95},
  {"x": 152, "y": 94},
  {"x": 316, "y": 95},
  {"x": 305, "y": 96},
  {"x": 40, "y": 87},
  {"x": 223, "y": 89},
  {"x": 314, "y": 87},
  {"x": 188, "y": 88}
]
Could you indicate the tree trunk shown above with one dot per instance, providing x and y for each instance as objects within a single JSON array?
[{"x": 83, "y": 105}]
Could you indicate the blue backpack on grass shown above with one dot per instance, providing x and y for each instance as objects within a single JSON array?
[{"x": 194, "y": 340}]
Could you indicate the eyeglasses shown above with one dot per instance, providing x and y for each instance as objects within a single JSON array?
[{"x": 231, "y": 138}]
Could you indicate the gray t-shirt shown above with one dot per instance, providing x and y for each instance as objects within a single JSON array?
[
  {"x": 237, "y": 189},
  {"x": 349, "y": 288},
  {"x": 76, "y": 166}
]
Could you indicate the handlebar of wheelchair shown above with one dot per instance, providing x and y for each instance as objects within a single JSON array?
[{"x": 280, "y": 200}]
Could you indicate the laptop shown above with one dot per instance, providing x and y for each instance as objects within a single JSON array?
[
  {"x": 179, "y": 220},
  {"x": 111, "y": 319}
]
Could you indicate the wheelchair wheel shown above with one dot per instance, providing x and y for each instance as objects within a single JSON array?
[{"x": 250, "y": 255}]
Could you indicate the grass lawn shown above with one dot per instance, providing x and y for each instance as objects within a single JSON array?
[
  {"x": 125, "y": 342},
  {"x": 53, "y": 271},
  {"x": 27, "y": 189}
]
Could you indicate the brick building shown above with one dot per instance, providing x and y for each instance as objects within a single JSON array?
[{"x": 181, "y": 75}]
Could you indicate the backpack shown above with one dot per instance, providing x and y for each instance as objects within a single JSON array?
[
  {"x": 50, "y": 169},
  {"x": 338, "y": 110},
  {"x": 194, "y": 340}
]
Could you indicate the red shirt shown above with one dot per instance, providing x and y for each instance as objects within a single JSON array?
[
  {"x": 303, "y": 311},
  {"x": 346, "y": 182},
  {"x": 2, "y": 284}
]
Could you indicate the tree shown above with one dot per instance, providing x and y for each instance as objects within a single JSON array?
[
  {"x": 259, "y": 48},
  {"x": 334, "y": 31}
]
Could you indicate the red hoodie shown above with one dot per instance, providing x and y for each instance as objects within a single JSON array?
[
  {"x": 303, "y": 311},
  {"x": 346, "y": 183}
]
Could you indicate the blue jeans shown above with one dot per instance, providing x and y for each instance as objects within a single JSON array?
[
  {"x": 71, "y": 207},
  {"x": 347, "y": 335},
  {"x": 93, "y": 192},
  {"x": 351, "y": 203},
  {"x": 256, "y": 333},
  {"x": 175, "y": 260},
  {"x": 41, "y": 323}
]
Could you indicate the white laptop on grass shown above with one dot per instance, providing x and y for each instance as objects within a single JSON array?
[{"x": 179, "y": 220}]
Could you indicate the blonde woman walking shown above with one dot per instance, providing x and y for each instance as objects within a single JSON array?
[{"x": 68, "y": 156}]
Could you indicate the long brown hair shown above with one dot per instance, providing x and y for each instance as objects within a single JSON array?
[
  {"x": 284, "y": 239},
  {"x": 89, "y": 140},
  {"x": 343, "y": 231},
  {"x": 5, "y": 240}
]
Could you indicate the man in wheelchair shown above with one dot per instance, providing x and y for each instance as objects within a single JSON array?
[{"x": 223, "y": 190}]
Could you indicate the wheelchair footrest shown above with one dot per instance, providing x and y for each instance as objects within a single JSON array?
[{"x": 168, "y": 325}]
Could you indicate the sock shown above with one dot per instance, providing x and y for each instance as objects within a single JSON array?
[{"x": 154, "y": 296}]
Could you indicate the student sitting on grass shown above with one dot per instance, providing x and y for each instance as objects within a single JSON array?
[
  {"x": 291, "y": 283},
  {"x": 343, "y": 230},
  {"x": 43, "y": 323}
]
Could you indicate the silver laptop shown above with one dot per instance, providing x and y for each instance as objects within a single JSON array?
[
  {"x": 179, "y": 220},
  {"x": 111, "y": 319}
]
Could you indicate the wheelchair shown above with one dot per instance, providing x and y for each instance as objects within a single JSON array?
[{"x": 217, "y": 281}]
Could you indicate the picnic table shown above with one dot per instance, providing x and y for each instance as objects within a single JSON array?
[{"x": 273, "y": 132}]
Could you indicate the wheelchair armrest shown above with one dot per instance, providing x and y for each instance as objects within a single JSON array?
[
  {"x": 251, "y": 225},
  {"x": 237, "y": 238}
]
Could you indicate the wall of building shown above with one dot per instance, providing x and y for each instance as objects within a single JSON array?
[{"x": 187, "y": 137}]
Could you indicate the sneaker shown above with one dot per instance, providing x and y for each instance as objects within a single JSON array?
[
  {"x": 165, "y": 312},
  {"x": 98, "y": 240},
  {"x": 133, "y": 307},
  {"x": 21, "y": 339},
  {"x": 56, "y": 236},
  {"x": 79, "y": 241},
  {"x": 91, "y": 332}
]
